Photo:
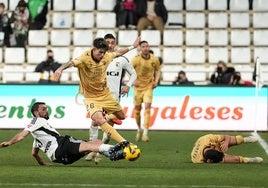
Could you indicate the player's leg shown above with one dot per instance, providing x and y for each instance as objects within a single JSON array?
[
  {"x": 236, "y": 140},
  {"x": 148, "y": 97},
  {"x": 138, "y": 99},
  {"x": 240, "y": 159},
  {"x": 93, "y": 135}
]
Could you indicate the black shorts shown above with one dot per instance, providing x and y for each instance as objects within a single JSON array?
[{"x": 68, "y": 150}]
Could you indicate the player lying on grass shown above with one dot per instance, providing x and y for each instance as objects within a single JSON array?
[
  {"x": 61, "y": 149},
  {"x": 212, "y": 148}
]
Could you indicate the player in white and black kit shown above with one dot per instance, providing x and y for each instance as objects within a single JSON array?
[
  {"x": 115, "y": 74},
  {"x": 60, "y": 149}
]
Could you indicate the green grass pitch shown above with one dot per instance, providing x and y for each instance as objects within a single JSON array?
[{"x": 164, "y": 162}]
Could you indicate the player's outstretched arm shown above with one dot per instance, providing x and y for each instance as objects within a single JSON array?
[
  {"x": 35, "y": 154},
  {"x": 64, "y": 66},
  {"x": 17, "y": 138},
  {"x": 122, "y": 51}
]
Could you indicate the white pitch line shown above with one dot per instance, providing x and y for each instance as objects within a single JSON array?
[
  {"x": 124, "y": 186},
  {"x": 262, "y": 142}
]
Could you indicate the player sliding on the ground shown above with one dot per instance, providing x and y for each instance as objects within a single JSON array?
[
  {"x": 63, "y": 149},
  {"x": 211, "y": 148}
]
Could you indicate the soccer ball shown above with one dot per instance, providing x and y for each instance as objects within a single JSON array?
[{"x": 132, "y": 152}]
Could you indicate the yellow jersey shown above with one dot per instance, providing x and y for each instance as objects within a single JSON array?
[
  {"x": 202, "y": 143},
  {"x": 145, "y": 69},
  {"x": 92, "y": 74}
]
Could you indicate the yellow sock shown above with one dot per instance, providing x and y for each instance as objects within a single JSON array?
[
  {"x": 112, "y": 132},
  {"x": 112, "y": 116},
  {"x": 242, "y": 159},
  {"x": 138, "y": 117},
  {"x": 239, "y": 139}
]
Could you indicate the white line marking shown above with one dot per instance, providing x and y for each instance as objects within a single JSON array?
[
  {"x": 124, "y": 186},
  {"x": 262, "y": 142}
]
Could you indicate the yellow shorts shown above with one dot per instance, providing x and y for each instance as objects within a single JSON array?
[
  {"x": 106, "y": 103},
  {"x": 141, "y": 96}
]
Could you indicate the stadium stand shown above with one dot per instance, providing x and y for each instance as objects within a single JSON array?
[{"x": 198, "y": 34}]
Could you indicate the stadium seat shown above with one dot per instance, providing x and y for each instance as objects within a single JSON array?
[
  {"x": 75, "y": 77},
  {"x": 195, "y": 55},
  {"x": 82, "y": 5},
  {"x": 240, "y": 55},
  {"x": 32, "y": 77},
  {"x": 84, "y": 20},
  {"x": 239, "y": 20},
  {"x": 239, "y": 5},
  {"x": 1, "y": 57},
  {"x": 260, "y": 37},
  {"x": 261, "y": 52},
  {"x": 195, "y": 37},
  {"x": 103, "y": 32},
  {"x": 260, "y": 5},
  {"x": 172, "y": 5},
  {"x": 217, "y": 20},
  {"x": 105, "y": 5},
  {"x": 195, "y": 20},
  {"x": 195, "y": 5},
  {"x": 260, "y": 20},
  {"x": 38, "y": 37},
  {"x": 65, "y": 77},
  {"x": 62, "y": 20},
  {"x": 60, "y": 37},
  {"x": 175, "y": 20},
  {"x": 58, "y": 5},
  {"x": 105, "y": 20},
  {"x": 130, "y": 35},
  {"x": 61, "y": 54},
  {"x": 169, "y": 76},
  {"x": 217, "y": 53},
  {"x": 79, "y": 51},
  {"x": 218, "y": 37},
  {"x": 173, "y": 37},
  {"x": 82, "y": 37},
  {"x": 12, "y": 4},
  {"x": 13, "y": 77},
  {"x": 36, "y": 54},
  {"x": 216, "y": 5},
  {"x": 245, "y": 70},
  {"x": 157, "y": 51},
  {"x": 153, "y": 37},
  {"x": 14, "y": 55},
  {"x": 172, "y": 55},
  {"x": 240, "y": 37}
]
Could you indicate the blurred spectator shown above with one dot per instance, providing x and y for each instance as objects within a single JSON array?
[
  {"x": 182, "y": 79},
  {"x": 38, "y": 13},
  {"x": 238, "y": 81},
  {"x": 222, "y": 75},
  {"x": 47, "y": 69},
  {"x": 159, "y": 58},
  {"x": 151, "y": 13},
  {"x": 124, "y": 10},
  {"x": 20, "y": 18},
  {"x": 5, "y": 27}
]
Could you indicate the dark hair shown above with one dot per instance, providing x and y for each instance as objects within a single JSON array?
[
  {"x": 213, "y": 155},
  {"x": 100, "y": 43},
  {"x": 49, "y": 51},
  {"x": 22, "y": 3},
  {"x": 35, "y": 107},
  {"x": 109, "y": 36},
  {"x": 143, "y": 41},
  {"x": 182, "y": 72},
  {"x": 2, "y": 5}
]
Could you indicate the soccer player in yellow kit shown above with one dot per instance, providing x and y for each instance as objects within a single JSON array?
[
  {"x": 92, "y": 65},
  {"x": 147, "y": 67},
  {"x": 211, "y": 148}
]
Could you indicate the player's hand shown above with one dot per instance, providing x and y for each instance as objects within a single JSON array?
[
  {"x": 57, "y": 75},
  {"x": 224, "y": 146},
  {"x": 137, "y": 42},
  {"x": 125, "y": 90}
]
